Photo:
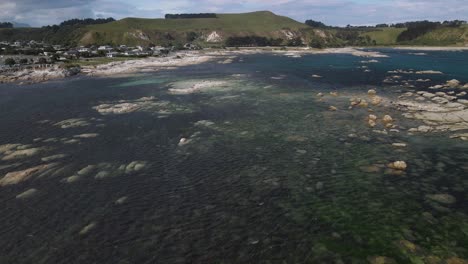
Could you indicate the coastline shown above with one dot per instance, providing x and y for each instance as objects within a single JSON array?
[{"x": 186, "y": 58}]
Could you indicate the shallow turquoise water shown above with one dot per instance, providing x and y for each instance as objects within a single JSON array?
[{"x": 268, "y": 176}]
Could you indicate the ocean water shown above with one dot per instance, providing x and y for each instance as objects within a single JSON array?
[{"x": 251, "y": 169}]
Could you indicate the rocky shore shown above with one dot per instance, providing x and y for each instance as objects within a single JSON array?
[
  {"x": 29, "y": 76},
  {"x": 178, "y": 59}
]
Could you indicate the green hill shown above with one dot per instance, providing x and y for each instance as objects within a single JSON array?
[
  {"x": 208, "y": 32},
  {"x": 203, "y": 30}
]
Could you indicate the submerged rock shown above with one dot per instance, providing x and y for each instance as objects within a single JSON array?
[
  {"x": 381, "y": 260},
  {"x": 27, "y": 194},
  {"x": 442, "y": 198},
  {"x": 20, "y": 176},
  {"x": 88, "y": 228},
  {"x": 387, "y": 119},
  {"x": 373, "y": 117},
  {"x": 121, "y": 200},
  {"x": 398, "y": 165}
]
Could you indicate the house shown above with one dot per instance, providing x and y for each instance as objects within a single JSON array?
[
  {"x": 105, "y": 48},
  {"x": 129, "y": 53},
  {"x": 57, "y": 47},
  {"x": 191, "y": 46},
  {"x": 71, "y": 53},
  {"x": 112, "y": 54},
  {"x": 83, "y": 50}
]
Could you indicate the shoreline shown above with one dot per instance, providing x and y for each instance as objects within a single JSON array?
[{"x": 187, "y": 58}]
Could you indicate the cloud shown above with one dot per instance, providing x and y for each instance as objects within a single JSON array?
[{"x": 333, "y": 12}]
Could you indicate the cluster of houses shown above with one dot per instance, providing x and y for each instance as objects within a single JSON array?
[{"x": 63, "y": 53}]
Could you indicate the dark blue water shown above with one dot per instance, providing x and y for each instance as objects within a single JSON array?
[{"x": 269, "y": 175}]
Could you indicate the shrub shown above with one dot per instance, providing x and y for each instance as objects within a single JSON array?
[{"x": 10, "y": 62}]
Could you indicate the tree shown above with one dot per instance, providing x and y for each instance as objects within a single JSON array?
[
  {"x": 10, "y": 62},
  {"x": 23, "y": 61},
  {"x": 179, "y": 16},
  {"x": 42, "y": 61},
  {"x": 294, "y": 42},
  {"x": 317, "y": 43},
  {"x": 6, "y": 25},
  {"x": 191, "y": 36},
  {"x": 314, "y": 23}
]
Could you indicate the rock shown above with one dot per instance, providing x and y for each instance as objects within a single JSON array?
[
  {"x": 372, "y": 123},
  {"x": 376, "y": 100},
  {"x": 440, "y": 100},
  {"x": 363, "y": 104},
  {"x": 72, "y": 179},
  {"x": 316, "y": 76},
  {"x": 429, "y": 72},
  {"x": 373, "y": 117},
  {"x": 424, "y": 129},
  {"x": 20, "y": 176},
  {"x": 407, "y": 246},
  {"x": 428, "y": 95},
  {"x": 387, "y": 119},
  {"x": 334, "y": 93},
  {"x": 319, "y": 186},
  {"x": 320, "y": 94},
  {"x": 398, "y": 165},
  {"x": 90, "y": 135},
  {"x": 381, "y": 260},
  {"x": 53, "y": 157},
  {"x": 27, "y": 194},
  {"x": 455, "y": 260},
  {"x": 86, "y": 170},
  {"x": 442, "y": 198},
  {"x": 183, "y": 141},
  {"x": 332, "y": 108},
  {"x": 399, "y": 145},
  {"x": 453, "y": 83},
  {"x": 371, "y": 92},
  {"x": 121, "y": 200},
  {"x": 88, "y": 228}
]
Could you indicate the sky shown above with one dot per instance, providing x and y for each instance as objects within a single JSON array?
[{"x": 331, "y": 12}]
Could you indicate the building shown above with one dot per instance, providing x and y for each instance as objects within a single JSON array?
[
  {"x": 112, "y": 54},
  {"x": 105, "y": 48},
  {"x": 83, "y": 50}
]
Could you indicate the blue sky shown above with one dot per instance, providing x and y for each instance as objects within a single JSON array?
[{"x": 332, "y": 12}]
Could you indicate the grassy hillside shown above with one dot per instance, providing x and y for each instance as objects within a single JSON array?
[
  {"x": 215, "y": 31},
  {"x": 443, "y": 36},
  {"x": 163, "y": 31},
  {"x": 385, "y": 36}
]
